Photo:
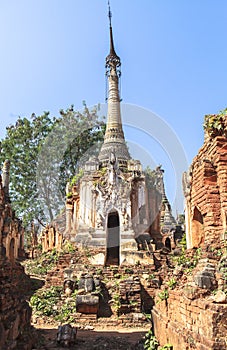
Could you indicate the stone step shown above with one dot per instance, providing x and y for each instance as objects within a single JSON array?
[
  {"x": 128, "y": 244},
  {"x": 99, "y": 235},
  {"x": 83, "y": 228},
  {"x": 127, "y": 236},
  {"x": 82, "y": 237},
  {"x": 97, "y": 242}
]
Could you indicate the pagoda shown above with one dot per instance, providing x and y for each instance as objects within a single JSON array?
[{"x": 114, "y": 205}]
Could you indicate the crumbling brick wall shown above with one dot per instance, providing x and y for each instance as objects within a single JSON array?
[
  {"x": 190, "y": 324},
  {"x": 205, "y": 189},
  {"x": 51, "y": 239},
  {"x": 15, "y": 313}
]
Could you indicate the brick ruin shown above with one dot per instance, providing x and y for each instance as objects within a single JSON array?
[
  {"x": 50, "y": 239},
  {"x": 112, "y": 201},
  {"x": 194, "y": 314},
  {"x": 189, "y": 314},
  {"x": 205, "y": 187},
  {"x": 15, "y": 313},
  {"x": 186, "y": 293},
  {"x": 11, "y": 230},
  {"x": 124, "y": 292}
]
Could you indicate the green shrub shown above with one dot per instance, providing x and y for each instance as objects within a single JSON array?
[
  {"x": 116, "y": 301},
  {"x": 68, "y": 247},
  {"x": 47, "y": 302},
  {"x": 43, "y": 301},
  {"x": 183, "y": 242},
  {"x": 163, "y": 295},
  {"x": 167, "y": 347},
  {"x": 187, "y": 262},
  {"x": 77, "y": 177},
  {"x": 151, "y": 343},
  {"x": 214, "y": 124},
  {"x": 171, "y": 283}
]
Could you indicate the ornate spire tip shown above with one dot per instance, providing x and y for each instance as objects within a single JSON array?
[{"x": 109, "y": 12}]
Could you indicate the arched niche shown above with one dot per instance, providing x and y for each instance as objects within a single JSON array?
[
  {"x": 168, "y": 243},
  {"x": 197, "y": 231},
  {"x": 12, "y": 250}
]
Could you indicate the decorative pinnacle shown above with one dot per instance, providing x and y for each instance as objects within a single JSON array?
[
  {"x": 112, "y": 59},
  {"x": 109, "y": 13}
]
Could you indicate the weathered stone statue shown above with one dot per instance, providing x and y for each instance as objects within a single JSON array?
[
  {"x": 68, "y": 287},
  {"x": 88, "y": 302}
]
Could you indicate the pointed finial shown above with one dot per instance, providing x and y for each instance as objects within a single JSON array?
[
  {"x": 109, "y": 13},
  {"x": 112, "y": 59}
]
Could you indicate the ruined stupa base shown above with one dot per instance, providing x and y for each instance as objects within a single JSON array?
[{"x": 126, "y": 252}]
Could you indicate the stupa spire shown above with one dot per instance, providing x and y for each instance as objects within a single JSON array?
[
  {"x": 114, "y": 140},
  {"x": 112, "y": 57}
]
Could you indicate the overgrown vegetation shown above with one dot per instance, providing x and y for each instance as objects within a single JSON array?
[
  {"x": 163, "y": 295},
  {"x": 183, "y": 242},
  {"x": 41, "y": 265},
  {"x": 48, "y": 302},
  {"x": 116, "y": 302},
  {"x": 184, "y": 260},
  {"x": 171, "y": 283},
  {"x": 46, "y": 261},
  {"x": 151, "y": 342},
  {"x": 214, "y": 124},
  {"x": 166, "y": 347},
  {"x": 77, "y": 177}
]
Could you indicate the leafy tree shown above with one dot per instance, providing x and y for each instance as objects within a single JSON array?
[
  {"x": 83, "y": 134},
  {"x": 21, "y": 146},
  {"x": 74, "y": 138},
  {"x": 45, "y": 153}
]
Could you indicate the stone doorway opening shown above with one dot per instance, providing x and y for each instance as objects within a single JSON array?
[
  {"x": 113, "y": 239},
  {"x": 168, "y": 243}
]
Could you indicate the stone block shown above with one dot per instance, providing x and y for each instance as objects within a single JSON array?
[
  {"x": 220, "y": 297},
  {"x": 87, "y": 304},
  {"x": 205, "y": 279}
]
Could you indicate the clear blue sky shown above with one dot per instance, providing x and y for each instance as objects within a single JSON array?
[{"x": 173, "y": 54}]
